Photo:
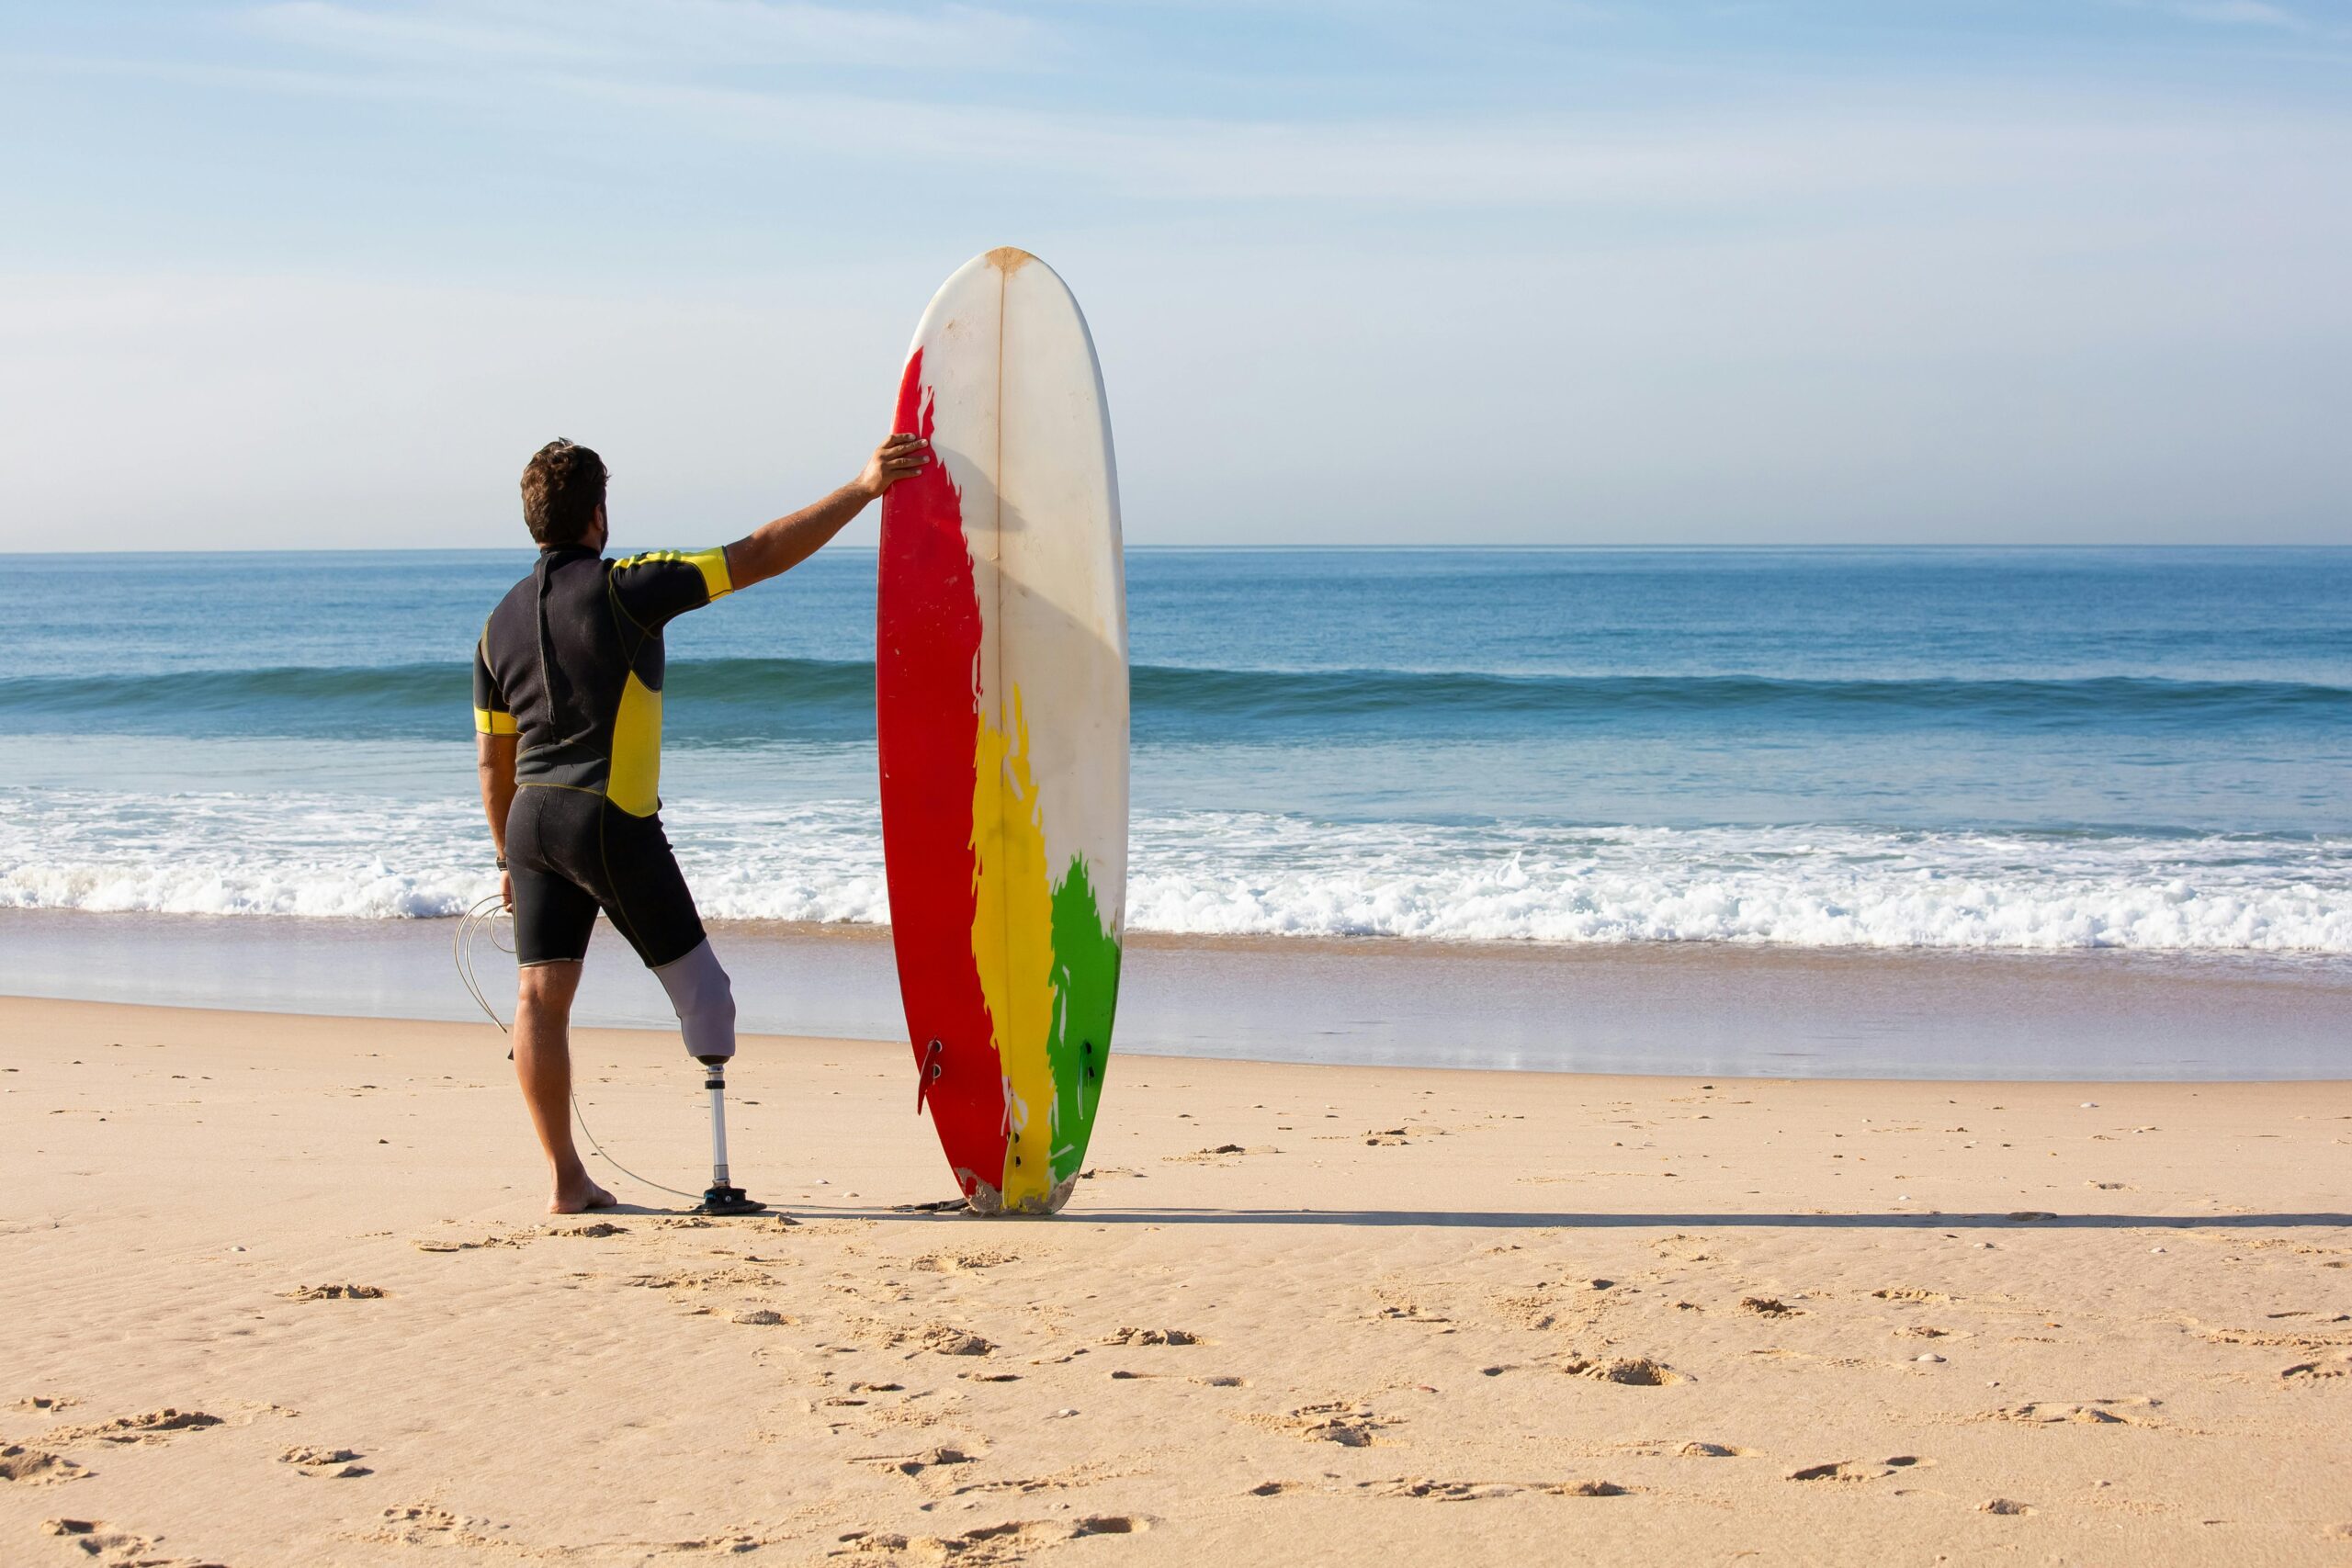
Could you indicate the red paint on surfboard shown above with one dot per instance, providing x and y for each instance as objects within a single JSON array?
[{"x": 927, "y": 715}]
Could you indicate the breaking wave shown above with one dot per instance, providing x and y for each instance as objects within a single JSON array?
[{"x": 1260, "y": 874}]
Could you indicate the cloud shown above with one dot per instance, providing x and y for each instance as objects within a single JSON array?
[
  {"x": 635, "y": 34},
  {"x": 1773, "y": 157},
  {"x": 1754, "y": 161},
  {"x": 574, "y": 69}
]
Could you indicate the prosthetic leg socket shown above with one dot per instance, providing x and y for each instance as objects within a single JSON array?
[
  {"x": 706, "y": 1008},
  {"x": 704, "y": 1001}
]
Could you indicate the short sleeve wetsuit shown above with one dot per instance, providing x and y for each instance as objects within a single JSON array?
[{"x": 571, "y": 663}]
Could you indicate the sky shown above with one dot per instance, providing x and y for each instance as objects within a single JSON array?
[{"x": 324, "y": 273}]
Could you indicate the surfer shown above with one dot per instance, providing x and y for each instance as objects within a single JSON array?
[{"x": 568, "y": 724}]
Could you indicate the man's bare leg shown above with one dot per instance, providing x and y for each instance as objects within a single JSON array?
[{"x": 543, "y": 1062}]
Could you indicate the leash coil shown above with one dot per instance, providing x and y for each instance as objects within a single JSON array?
[{"x": 484, "y": 917}]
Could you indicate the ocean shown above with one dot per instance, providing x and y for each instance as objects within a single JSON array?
[{"x": 1983, "y": 750}]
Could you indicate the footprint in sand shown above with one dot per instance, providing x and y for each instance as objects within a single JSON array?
[
  {"x": 435, "y": 1244},
  {"x": 46, "y": 1403},
  {"x": 1027, "y": 1486},
  {"x": 1855, "y": 1470},
  {"x": 1110, "y": 1524},
  {"x": 1212, "y": 1156},
  {"x": 335, "y": 1293},
  {"x": 1634, "y": 1371},
  {"x": 947, "y": 1340},
  {"x": 334, "y": 1465},
  {"x": 1769, "y": 1306},
  {"x": 154, "y": 1427},
  {"x": 2005, "y": 1505},
  {"x": 916, "y": 1463},
  {"x": 1345, "y": 1422},
  {"x": 424, "y": 1524},
  {"x": 37, "y": 1467},
  {"x": 1010, "y": 1542},
  {"x": 1411, "y": 1312},
  {"x": 1714, "y": 1450},
  {"x": 1451, "y": 1491},
  {"x": 1152, "y": 1336},
  {"x": 2088, "y": 1413},
  {"x": 98, "y": 1538},
  {"x": 962, "y": 1262}
]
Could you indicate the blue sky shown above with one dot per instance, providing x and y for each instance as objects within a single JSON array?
[{"x": 1916, "y": 270}]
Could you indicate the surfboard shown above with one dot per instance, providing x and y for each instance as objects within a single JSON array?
[{"x": 1000, "y": 701}]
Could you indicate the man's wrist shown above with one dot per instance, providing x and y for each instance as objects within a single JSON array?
[{"x": 501, "y": 862}]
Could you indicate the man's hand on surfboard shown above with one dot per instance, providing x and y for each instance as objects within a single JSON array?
[{"x": 899, "y": 457}]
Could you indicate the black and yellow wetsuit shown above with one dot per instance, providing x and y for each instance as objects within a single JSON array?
[{"x": 571, "y": 664}]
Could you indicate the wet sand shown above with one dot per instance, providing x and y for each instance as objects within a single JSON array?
[
  {"x": 1622, "y": 1007},
  {"x": 278, "y": 1290}
]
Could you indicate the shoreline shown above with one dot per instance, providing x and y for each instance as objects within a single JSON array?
[
  {"x": 1374, "y": 943},
  {"x": 1723, "y": 1009}
]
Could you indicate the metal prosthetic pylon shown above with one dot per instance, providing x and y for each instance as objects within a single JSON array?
[{"x": 723, "y": 1198}]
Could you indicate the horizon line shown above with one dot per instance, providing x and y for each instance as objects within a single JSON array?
[{"x": 1757, "y": 546}]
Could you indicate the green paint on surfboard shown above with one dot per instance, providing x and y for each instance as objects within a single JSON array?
[{"x": 1086, "y": 990}]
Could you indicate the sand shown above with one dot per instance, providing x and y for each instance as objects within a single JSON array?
[{"x": 278, "y": 1290}]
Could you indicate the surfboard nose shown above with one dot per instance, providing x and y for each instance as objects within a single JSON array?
[{"x": 1010, "y": 259}]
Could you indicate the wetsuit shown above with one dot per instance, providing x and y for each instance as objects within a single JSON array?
[{"x": 571, "y": 664}]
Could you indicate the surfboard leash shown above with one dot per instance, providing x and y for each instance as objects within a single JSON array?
[{"x": 484, "y": 916}]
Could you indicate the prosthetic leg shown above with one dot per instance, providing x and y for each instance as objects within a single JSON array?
[
  {"x": 721, "y": 1197},
  {"x": 705, "y": 1003}
]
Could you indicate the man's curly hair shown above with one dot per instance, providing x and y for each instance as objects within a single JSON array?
[{"x": 563, "y": 487}]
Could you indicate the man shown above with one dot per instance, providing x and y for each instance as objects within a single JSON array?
[{"x": 568, "y": 720}]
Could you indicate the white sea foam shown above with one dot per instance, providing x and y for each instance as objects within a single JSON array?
[{"x": 290, "y": 854}]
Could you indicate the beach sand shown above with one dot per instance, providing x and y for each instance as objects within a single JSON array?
[{"x": 278, "y": 1290}]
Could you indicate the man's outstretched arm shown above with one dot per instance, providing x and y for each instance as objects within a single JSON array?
[{"x": 776, "y": 547}]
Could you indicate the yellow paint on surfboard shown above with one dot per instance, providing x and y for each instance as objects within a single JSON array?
[{"x": 1012, "y": 947}]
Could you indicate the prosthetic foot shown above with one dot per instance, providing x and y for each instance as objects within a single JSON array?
[{"x": 723, "y": 1198}]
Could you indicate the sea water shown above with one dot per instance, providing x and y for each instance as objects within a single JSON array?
[{"x": 2020, "y": 749}]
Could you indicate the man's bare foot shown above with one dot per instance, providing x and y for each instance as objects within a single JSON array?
[{"x": 581, "y": 1198}]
